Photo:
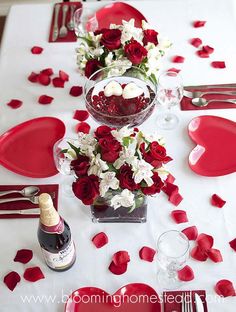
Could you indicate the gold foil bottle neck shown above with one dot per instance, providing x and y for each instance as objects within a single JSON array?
[{"x": 48, "y": 214}]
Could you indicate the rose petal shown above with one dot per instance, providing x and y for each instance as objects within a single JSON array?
[
  {"x": 81, "y": 115},
  {"x": 196, "y": 42},
  {"x": 100, "y": 240},
  {"x": 219, "y": 64},
  {"x": 120, "y": 257},
  {"x": 215, "y": 255},
  {"x": 198, "y": 24},
  {"x": 179, "y": 216},
  {"x": 202, "y": 54},
  {"x": 178, "y": 59},
  {"x": 175, "y": 70},
  {"x": 33, "y": 274},
  {"x": 147, "y": 253},
  {"x": 44, "y": 79},
  {"x": 14, "y": 103},
  {"x": 232, "y": 244},
  {"x": 83, "y": 127},
  {"x": 76, "y": 91},
  {"x": 205, "y": 242},
  {"x": 208, "y": 49},
  {"x": 225, "y": 288},
  {"x": 58, "y": 82},
  {"x": 175, "y": 199},
  {"x": 23, "y": 256},
  {"x": 36, "y": 50},
  {"x": 186, "y": 274},
  {"x": 33, "y": 77},
  {"x": 11, "y": 280},
  {"x": 47, "y": 71},
  {"x": 217, "y": 201},
  {"x": 64, "y": 76},
  {"x": 170, "y": 189},
  {"x": 191, "y": 232},
  {"x": 198, "y": 254},
  {"x": 118, "y": 270},
  {"x": 45, "y": 99},
  {"x": 170, "y": 178}
]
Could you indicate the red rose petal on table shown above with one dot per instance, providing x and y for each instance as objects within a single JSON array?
[
  {"x": 23, "y": 256},
  {"x": 81, "y": 115},
  {"x": 36, "y": 50},
  {"x": 45, "y": 99},
  {"x": 44, "y": 79},
  {"x": 76, "y": 91},
  {"x": 118, "y": 270},
  {"x": 202, "y": 54},
  {"x": 178, "y": 59},
  {"x": 64, "y": 76},
  {"x": 170, "y": 178},
  {"x": 120, "y": 257},
  {"x": 58, "y": 82},
  {"x": 215, "y": 255},
  {"x": 14, "y": 103},
  {"x": 33, "y": 274},
  {"x": 217, "y": 201},
  {"x": 179, "y": 216},
  {"x": 33, "y": 77},
  {"x": 198, "y": 24},
  {"x": 82, "y": 127},
  {"x": 196, "y": 42},
  {"x": 208, "y": 49},
  {"x": 186, "y": 274},
  {"x": 175, "y": 199},
  {"x": 147, "y": 253},
  {"x": 191, "y": 232},
  {"x": 198, "y": 254},
  {"x": 225, "y": 288},
  {"x": 170, "y": 188},
  {"x": 100, "y": 240},
  {"x": 232, "y": 244},
  {"x": 219, "y": 64},
  {"x": 11, "y": 280},
  {"x": 47, "y": 71},
  {"x": 205, "y": 241},
  {"x": 175, "y": 70}
]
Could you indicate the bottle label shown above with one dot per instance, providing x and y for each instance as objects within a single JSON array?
[{"x": 61, "y": 259}]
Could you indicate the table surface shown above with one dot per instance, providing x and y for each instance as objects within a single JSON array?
[{"x": 28, "y": 25}]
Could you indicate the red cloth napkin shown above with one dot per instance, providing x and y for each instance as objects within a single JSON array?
[
  {"x": 172, "y": 300},
  {"x": 18, "y": 205},
  {"x": 186, "y": 103},
  {"x": 71, "y": 34}
]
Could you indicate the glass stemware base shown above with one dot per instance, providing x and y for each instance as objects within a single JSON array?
[
  {"x": 168, "y": 280},
  {"x": 167, "y": 121}
]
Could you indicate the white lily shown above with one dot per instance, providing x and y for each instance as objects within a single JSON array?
[
  {"x": 122, "y": 133},
  {"x": 97, "y": 165},
  {"x": 126, "y": 156},
  {"x": 124, "y": 199},
  {"x": 129, "y": 31},
  {"x": 108, "y": 180},
  {"x": 142, "y": 171}
]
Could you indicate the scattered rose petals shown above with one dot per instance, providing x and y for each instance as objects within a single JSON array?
[
  {"x": 23, "y": 256},
  {"x": 218, "y": 64},
  {"x": 147, "y": 253},
  {"x": 208, "y": 49},
  {"x": 14, "y": 103},
  {"x": 186, "y": 274},
  {"x": 172, "y": 191},
  {"x": 170, "y": 178},
  {"x": 175, "y": 199},
  {"x": 44, "y": 79},
  {"x": 100, "y": 240},
  {"x": 196, "y": 42},
  {"x": 64, "y": 76},
  {"x": 81, "y": 115},
  {"x": 83, "y": 127},
  {"x": 11, "y": 280},
  {"x": 217, "y": 201},
  {"x": 33, "y": 274},
  {"x": 178, "y": 59},
  {"x": 76, "y": 91},
  {"x": 58, "y": 82},
  {"x": 118, "y": 270},
  {"x": 120, "y": 257},
  {"x": 198, "y": 24},
  {"x": 47, "y": 71},
  {"x": 202, "y": 54},
  {"x": 215, "y": 255},
  {"x": 36, "y": 50},
  {"x": 179, "y": 216},
  {"x": 175, "y": 70},
  {"x": 191, "y": 232},
  {"x": 33, "y": 77},
  {"x": 232, "y": 244},
  {"x": 45, "y": 99},
  {"x": 198, "y": 254},
  {"x": 205, "y": 242},
  {"x": 225, "y": 288}
]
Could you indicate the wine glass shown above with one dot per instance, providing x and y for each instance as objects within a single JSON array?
[
  {"x": 169, "y": 93},
  {"x": 85, "y": 20},
  {"x": 173, "y": 252}
]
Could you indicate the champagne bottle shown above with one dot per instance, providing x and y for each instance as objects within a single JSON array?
[{"x": 54, "y": 237}]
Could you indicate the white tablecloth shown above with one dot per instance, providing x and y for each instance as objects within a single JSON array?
[{"x": 28, "y": 25}]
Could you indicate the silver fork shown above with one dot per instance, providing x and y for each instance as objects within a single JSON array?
[
  {"x": 198, "y": 94},
  {"x": 70, "y": 24},
  {"x": 63, "y": 30},
  {"x": 187, "y": 302},
  {"x": 33, "y": 199}
]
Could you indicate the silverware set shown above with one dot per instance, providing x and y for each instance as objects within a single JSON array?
[{"x": 61, "y": 31}]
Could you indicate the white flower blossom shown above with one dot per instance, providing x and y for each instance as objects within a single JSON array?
[
  {"x": 97, "y": 165},
  {"x": 70, "y": 154},
  {"x": 120, "y": 66},
  {"x": 124, "y": 199},
  {"x": 109, "y": 59},
  {"x": 142, "y": 171},
  {"x": 126, "y": 156},
  {"x": 122, "y": 133},
  {"x": 86, "y": 143},
  {"x": 129, "y": 31},
  {"x": 108, "y": 180}
]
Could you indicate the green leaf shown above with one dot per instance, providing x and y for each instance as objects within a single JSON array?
[
  {"x": 76, "y": 149},
  {"x": 127, "y": 141}
]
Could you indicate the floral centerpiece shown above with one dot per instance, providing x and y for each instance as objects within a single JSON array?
[
  {"x": 122, "y": 46},
  {"x": 116, "y": 169}
]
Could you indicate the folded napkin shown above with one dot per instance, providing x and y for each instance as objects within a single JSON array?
[
  {"x": 172, "y": 300},
  {"x": 18, "y": 205},
  {"x": 186, "y": 103},
  {"x": 71, "y": 34}
]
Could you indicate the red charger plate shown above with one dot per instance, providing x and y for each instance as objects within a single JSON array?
[
  {"x": 92, "y": 299},
  {"x": 114, "y": 13},
  {"x": 215, "y": 151},
  {"x": 27, "y": 149}
]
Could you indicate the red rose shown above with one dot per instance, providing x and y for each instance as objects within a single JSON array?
[
  {"x": 91, "y": 67},
  {"x": 150, "y": 35},
  {"x": 110, "y": 149},
  {"x": 156, "y": 155},
  {"x": 102, "y": 132},
  {"x": 80, "y": 165},
  {"x": 156, "y": 187},
  {"x": 86, "y": 189},
  {"x": 125, "y": 177},
  {"x": 111, "y": 39},
  {"x": 135, "y": 52}
]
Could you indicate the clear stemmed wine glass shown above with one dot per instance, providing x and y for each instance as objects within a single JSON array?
[
  {"x": 173, "y": 252},
  {"x": 85, "y": 20},
  {"x": 169, "y": 93}
]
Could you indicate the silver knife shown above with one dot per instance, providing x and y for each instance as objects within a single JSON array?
[
  {"x": 55, "y": 26},
  {"x": 31, "y": 211},
  {"x": 198, "y": 303}
]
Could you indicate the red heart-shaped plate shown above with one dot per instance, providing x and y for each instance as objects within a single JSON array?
[{"x": 215, "y": 153}]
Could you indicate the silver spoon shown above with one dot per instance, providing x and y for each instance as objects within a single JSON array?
[
  {"x": 200, "y": 102},
  {"x": 70, "y": 24},
  {"x": 28, "y": 191}
]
